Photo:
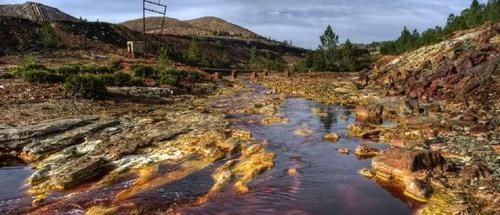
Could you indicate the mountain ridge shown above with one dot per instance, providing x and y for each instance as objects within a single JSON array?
[{"x": 203, "y": 26}]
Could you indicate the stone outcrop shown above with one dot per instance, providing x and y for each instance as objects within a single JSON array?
[
  {"x": 365, "y": 150},
  {"x": 333, "y": 137},
  {"x": 402, "y": 162},
  {"x": 409, "y": 167}
]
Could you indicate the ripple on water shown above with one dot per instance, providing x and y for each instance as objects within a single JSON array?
[
  {"x": 325, "y": 182},
  {"x": 13, "y": 187}
]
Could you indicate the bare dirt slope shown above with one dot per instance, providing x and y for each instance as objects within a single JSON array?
[
  {"x": 463, "y": 68},
  {"x": 27, "y": 11}
]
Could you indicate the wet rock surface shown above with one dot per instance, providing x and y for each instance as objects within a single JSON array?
[
  {"x": 444, "y": 100},
  {"x": 99, "y": 152}
]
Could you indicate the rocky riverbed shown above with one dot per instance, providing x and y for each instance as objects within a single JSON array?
[
  {"x": 115, "y": 156},
  {"x": 440, "y": 158},
  {"x": 185, "y": 153}
]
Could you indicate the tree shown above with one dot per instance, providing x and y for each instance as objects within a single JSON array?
[
  {"x": 163, "y": 59},
  {"x": 329, "y": 39},
  {"x": 473, "y": 16},
  {"x": 403, "y": 43},
  {"x": 47, "y": 36},
  {"x": 194, "y": 55},
  {"x": 254, "y": 61},
  {"x": 348, "y": 56},
  {"x": 226, "y": 61}
]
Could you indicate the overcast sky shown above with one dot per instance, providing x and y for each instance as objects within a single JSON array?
[{"x": 301, "y": 21}]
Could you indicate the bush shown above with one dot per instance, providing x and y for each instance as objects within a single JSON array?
[
  {"x": 87, "y": 86},
  {"x": 169, "y": 79},
  {"x": 29, "y": 63},
  {"x": 96, "y": 69},
  {"x": 122, "y": 79},
  {"x": 107, "y": 79},
  {"x": 69, "y": 70},
  {"x": 117, "y": 79},
  {"x": 144, "y": 71},
  {"x": 171, "y": 76},
  {"x": 41, "y": 76},
  {"x": 6, "y": 76}
]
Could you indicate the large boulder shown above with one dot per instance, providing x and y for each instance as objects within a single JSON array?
[{"x": 403, "y": 162}]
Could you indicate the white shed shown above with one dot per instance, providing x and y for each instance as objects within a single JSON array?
[{"x": 135, "y": 48}]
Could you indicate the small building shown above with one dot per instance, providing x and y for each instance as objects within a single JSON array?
[{"x": 135, "y": 48}]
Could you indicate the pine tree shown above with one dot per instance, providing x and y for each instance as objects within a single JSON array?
[
  {"x": 254, "y": 61},
  {"x": 329, "y": 39},
  {"x": 194, "y": 55}
]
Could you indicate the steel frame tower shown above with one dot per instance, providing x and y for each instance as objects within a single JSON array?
[{"x": 157, "y": 7}]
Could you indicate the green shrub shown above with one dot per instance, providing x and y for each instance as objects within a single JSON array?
[
  {"x": 30, "y": 62},
  {"x": 41, "y": 76},
  {"x": 120, "y": 79},
  {"x": 69, "y": 70},
  {"x": 96, "y": 69},
  {"x": 163, "y": 59},
  {"x": 86, "y": 85},
  {"x": 47, "y": 35},
  {"x": 29, "y": 59},
  {"x": 6, "y": 76},
  {"x": 144, "y": 71},
  {"x": 171, "y": 76},
  {"x": 16, "y": 71},
  {"x": 107, "y": 79},
  {"x": 169, "y": 79}
]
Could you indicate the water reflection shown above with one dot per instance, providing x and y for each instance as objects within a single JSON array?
[{"x": 309, "y": 177}]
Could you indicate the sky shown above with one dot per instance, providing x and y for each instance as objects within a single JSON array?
[{"x": 301, "y": 21}]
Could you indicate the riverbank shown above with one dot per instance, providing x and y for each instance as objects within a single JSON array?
[
  {"x": 438, "y": 155},
  {"x": 118, "y": 155}
]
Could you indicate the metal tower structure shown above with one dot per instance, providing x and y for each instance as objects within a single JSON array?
[{"x": 155, "y": 7}]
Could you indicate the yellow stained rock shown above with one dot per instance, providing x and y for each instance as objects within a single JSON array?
[
  {"x": 318, "y": 112},
  {"x": 304, "y": 131},
  {"x": 272, "y": 120},
  {"x": 368, "y": 173},
  {"x": 240, "y": 187},
  {"x": 101, "y": 210},
  {"x": 344, "y": 150},
  {"x": 334, "y": 137},
  {"x": 292, "y": 171}
]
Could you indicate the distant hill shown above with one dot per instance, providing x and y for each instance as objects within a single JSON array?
[
  {"x": 215, "y": 24},
  {"x": 35, "y": 12},
  {"x": 205, "y": 26},
  {"x": 21, "y": 33}
]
